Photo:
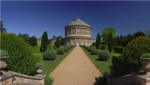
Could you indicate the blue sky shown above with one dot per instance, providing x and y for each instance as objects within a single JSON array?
[{"x": 34, "y": 17}]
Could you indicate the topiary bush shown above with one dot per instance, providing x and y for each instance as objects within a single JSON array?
[
  {"x": 104, "y": 55},
  {"x": 20, "y": 57},
  {"x": 60, "y": 50},
  {"x": 134, "y": 50},
  {"x": 66, "y": 48},
  {"x": 49, "y": 55},
  {"x": 118, "y": 49},
  {"x": 94, "y": 51}
]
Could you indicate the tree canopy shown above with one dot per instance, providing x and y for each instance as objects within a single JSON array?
[{"x": 2, "y": 29}]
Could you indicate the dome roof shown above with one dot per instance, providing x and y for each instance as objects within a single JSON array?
[{"x": 78, "y": 22}]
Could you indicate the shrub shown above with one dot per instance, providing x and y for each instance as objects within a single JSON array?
[
  {"x": 66, "y": 48},
  {"x": 47, "y": 80},
  {"x": 49, "y": 55},
  {"x": 3, "y": 53},
  {"x": 104, "y": 55},
  {"x": 134, "y": 50},
  {"x": 38, "y": 58},
  {"x": 118, "y": 49},
  {"x": 119, "y": 66},
  {"x": 60, "y": 50},
  {"x": 39, "y": 65},
  {"x": 89, "y": 48},
  {"x": 146, "y": 55},
  {"x": 20, "y": 57},
  {"x": 104, "y": 47},
  {"x": 94, "y": 51}
]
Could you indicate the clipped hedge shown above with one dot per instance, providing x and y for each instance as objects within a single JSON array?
[
  {"x": 118, "y": 49},
  {"x": 104, "y": 55},
  {"x": 94, "y": 51},
  {"x": 49, "y": 55},
  {"x": 60, "y": 50},
  {"x": 20, "y": 57},
  {"x": 134, "y": 50}
]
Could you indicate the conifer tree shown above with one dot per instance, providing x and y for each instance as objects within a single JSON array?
[
  {"x": 44, "y": 42},
  {"x": 57, "y": 43},
  {"x": 98, "y": 41}
]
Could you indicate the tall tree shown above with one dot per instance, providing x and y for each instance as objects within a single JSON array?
[
  {"x": 57, "y": 43},
  {"x": 44, "y": 42},
  {"x": 33, "y": 41},
  {"x": 98, "y": 41},
  {"x": 110, "y": 42},
  {"x": 138, "y": 34},
  {"x": 106, "y": 32},
  {"x": 25, "y": 37},
  {"x": 2, "y": 29}
]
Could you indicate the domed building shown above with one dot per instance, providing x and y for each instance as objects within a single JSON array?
[{"x": 77, "y": 33}]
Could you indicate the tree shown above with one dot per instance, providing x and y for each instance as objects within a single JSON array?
[
  {"x": 106, "y": 32},
  {"x": 110, "y": 42},
  {"x": 2, "y": 29},
  {"x": 33, "y": 41},
  {"x": 25, "y": 37},
  {"x": 44, "y": 42},
  {"x": 21, "y": 59},
  {"x": 98, "y": 41},
  {"x": 57, "y": 43},
  {"x": 134, "y": 50},
  {"x": 138, "y": 34}
]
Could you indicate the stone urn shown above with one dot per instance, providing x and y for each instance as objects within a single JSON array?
[
  {"x": 145, "y": 63},
  {"x": 39, "y": 71},
  {"x": 3, "y": 61}
]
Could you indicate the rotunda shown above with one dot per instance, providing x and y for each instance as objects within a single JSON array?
[{"x": 78, "y": 33}]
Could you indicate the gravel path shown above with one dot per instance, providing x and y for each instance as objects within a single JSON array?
[{"x": 75, "y": 69}]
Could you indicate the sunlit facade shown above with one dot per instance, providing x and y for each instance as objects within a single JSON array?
[{"x": 78, "y": 33}]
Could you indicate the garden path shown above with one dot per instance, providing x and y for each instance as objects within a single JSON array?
[{"x": 75, "y": 69}]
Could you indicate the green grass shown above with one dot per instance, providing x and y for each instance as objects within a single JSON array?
[
  {"x": 49, "y": 66},
  {"x": 36, "y": 49},
  {"x": 102, "y": 66}
]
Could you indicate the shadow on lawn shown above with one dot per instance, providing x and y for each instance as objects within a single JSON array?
[{"x": 98, "y": 59}]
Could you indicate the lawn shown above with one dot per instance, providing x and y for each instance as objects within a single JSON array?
[
  {"x": 50, "y": 65},
  {"x": 102, "y": 66},
  {"x": 36, "y": 49}
]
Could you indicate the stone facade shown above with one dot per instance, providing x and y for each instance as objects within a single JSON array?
[
  {"x": 78, "y": 33},
  {"x": 13, "y": 78},
  {"x": 39, "y": 40},
  {"x": 130, "y": 79}
]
